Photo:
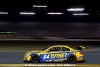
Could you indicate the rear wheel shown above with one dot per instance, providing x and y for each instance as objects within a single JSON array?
[
  {"x": 35, "y": 59},
  {"x": 71, "y": 59}
]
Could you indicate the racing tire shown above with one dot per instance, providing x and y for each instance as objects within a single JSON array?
[
  {"x": 35, "y": 59},
  {"x": 71, "y": 59}
]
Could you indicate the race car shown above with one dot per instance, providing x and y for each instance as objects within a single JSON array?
[{"x": 55, "y": 53}]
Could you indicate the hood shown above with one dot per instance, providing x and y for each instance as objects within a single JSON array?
[{"x": 33, "y": 51}]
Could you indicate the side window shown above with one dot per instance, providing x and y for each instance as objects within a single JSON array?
[
  {"x": 65, "y": 49},
  {"x": 55, "y": 49}
]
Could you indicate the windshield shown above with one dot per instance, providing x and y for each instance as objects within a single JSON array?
[{"x": 45, "y": 48}]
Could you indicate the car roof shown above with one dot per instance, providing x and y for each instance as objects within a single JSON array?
[{"x": 61, "y": 46}]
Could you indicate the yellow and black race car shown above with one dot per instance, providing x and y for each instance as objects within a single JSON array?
[{"x": 55, "y": 53}]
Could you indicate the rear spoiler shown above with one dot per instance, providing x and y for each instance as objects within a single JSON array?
[{"x": 80, "y": 47}]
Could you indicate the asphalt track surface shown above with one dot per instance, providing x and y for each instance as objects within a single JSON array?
[
  {"x": 91, "y": 57},
  {"x": 12, "y": 57}
]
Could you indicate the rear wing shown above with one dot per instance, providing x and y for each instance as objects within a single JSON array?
[{"x": 80, "y": 47}]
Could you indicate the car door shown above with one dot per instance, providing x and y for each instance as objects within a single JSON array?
[
  {"x": 51, "y": 55},
  {"x": 66, "y": 51},
  {"x": 55, "y": 53}
]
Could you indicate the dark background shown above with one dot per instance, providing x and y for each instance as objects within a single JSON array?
[
  {"x": 16, "y": 26},
  {"x": 14, "y": 7},
  {"x": 43, "y": 25}
]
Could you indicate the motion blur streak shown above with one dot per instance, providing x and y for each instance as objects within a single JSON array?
[
  {"x": 39, "y": 6},
  {"x": 4, "y": 13},
  {"x": 75, "y": 9},
  {"x": 27, "y": 13},
  {"x": 80, "y": 14},
  {"x": 54, "y": 13}
]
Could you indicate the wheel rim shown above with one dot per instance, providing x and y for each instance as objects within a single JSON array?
[
  {"x": 35, "y": 58},
  {"x": 72, "y": 59}
]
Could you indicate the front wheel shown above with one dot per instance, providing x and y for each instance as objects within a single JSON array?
[{"x": 35, "y": 59}]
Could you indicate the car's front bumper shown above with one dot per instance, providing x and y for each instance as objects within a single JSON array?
[{"x": 26, "y": 57}]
